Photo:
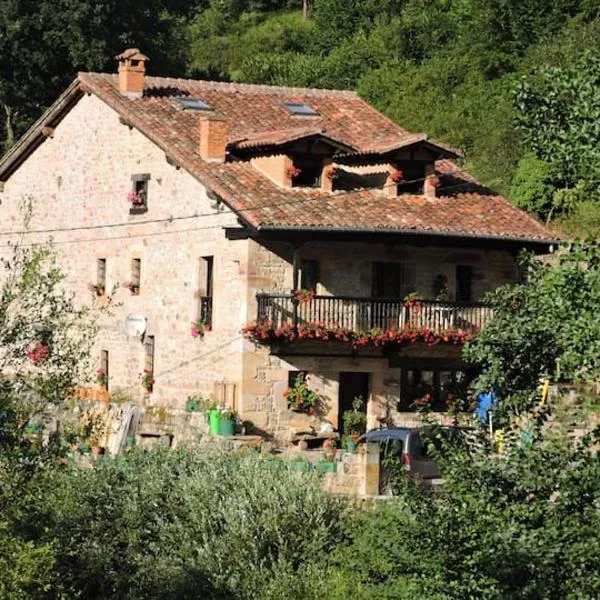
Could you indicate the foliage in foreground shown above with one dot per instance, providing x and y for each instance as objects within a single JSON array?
[
  {"x": 178, "y": 524},
  {"x": 167, "y": 524},
  {"x": 524, "y": 524}
]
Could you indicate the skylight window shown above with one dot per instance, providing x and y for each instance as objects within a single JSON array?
[
  {"x": 301, "y": 110},
  {"x": 194, "y": 104}
]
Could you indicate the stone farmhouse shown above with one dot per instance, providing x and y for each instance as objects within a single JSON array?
[{"x": 250, "y": 233}]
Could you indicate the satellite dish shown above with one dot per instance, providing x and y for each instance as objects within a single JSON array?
[{"x": 135, "y": 325}]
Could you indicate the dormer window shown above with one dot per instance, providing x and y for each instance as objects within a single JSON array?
[
  {"x": 194, "y": 104},
  {"x": 307, "y": 171},
  {"x": 298, "y": 109}
]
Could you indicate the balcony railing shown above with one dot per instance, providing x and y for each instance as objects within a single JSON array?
[{"x": 362, "y": 314}]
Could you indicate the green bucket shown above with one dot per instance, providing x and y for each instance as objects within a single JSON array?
[
  {"x": 226, "y": 427},
  {"x": 213, "y": 421}
]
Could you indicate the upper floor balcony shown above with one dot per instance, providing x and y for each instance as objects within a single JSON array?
[{"x": 350, "y": 318}]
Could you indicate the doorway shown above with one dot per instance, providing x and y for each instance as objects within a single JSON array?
[{"x": 352, "y": 384}]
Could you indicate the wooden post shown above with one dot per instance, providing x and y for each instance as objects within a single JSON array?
[{"x": 295, "y": 280}]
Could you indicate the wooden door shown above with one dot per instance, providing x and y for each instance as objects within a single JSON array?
[{"x": 352, "y": 384}]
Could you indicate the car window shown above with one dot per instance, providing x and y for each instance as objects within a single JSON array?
[{"x": 418, "y": 448}]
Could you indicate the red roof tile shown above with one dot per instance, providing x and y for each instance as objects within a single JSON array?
[{"x": 256, "y": 115}]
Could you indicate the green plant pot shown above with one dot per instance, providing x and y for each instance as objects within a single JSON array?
[
  {"x": 226, "y": 427},
  {"x": 213, "y": 421},
  {"x": 351, "y": 446},
  {"x": 327, "y": 467}
]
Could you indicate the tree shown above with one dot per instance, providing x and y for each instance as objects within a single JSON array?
[
  {"x": 559, "y": 118},
  {"x": 45, "y": 342},
  {"x": 544, "y": 327}
]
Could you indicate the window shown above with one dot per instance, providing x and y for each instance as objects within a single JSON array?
[
  {"x": 101, "y": 276},
  {"x": 464, "y": 278},
  {"x": 309, "y": 171},
  {"x": 139, "y": 194},
  {"x": 205, "y": 291},
  {"x": 136, "y": 276},
  {"x": 414, "y": 175},
  {"x": 436, "y": 387},
  {"x": 193, "y": 104},
  {"x": 388, "y": 280},
  {"x": 149, "y": 362},
  {"x": 104, "y": 367},
  {"x": 299, "y": 109},
  {"x": 309, "y": 274}
]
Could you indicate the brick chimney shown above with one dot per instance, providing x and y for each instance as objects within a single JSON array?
[
  {"x": 132, "y": 68},
  {"x": 213, "y": 138}
]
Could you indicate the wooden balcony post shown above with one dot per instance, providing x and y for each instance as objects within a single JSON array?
[{"x": 295, "y": 281}]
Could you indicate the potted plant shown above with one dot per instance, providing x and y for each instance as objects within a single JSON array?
[
  {"x": 134, "y": 288},
  {"x": 303, "y": 296},
  {"x": 293, "y": 171},
  {"x": 135, "y": 198},
  {"x": 355, "y": 423},
  {"x": 397, "y": 176},
  {"x": 413, "y": 300},
  {"x": 148, "y": 380},
  {"x": 300, "y": 398},
  {"x": 227, "y": 419},
  {"x": 198, "y": 328},
  {"x": 96, "y": 288},
  {"x": 101, "y": 378}
]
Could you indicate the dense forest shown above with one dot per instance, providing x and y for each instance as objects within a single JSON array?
[{"x": 515, "y": 84}]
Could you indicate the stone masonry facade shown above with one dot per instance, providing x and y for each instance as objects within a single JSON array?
[{"x": 80, "y": 177}]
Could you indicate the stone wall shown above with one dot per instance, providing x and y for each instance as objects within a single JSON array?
[{"x": 80, "y": 178}]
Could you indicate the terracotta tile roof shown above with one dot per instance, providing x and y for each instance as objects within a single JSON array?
[
  {"x": 256, "y": 114},
  {"x": 283, "y": 136}
]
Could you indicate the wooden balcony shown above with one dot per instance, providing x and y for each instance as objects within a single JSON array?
[{"x": 364, "y": 314}]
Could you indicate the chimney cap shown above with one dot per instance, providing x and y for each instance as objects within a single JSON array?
[{"x": 131, "y": 54}]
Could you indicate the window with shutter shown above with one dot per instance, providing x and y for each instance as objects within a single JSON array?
[
  {"x": 309, "y": 274},
  {"x": 464, "y": 279},
  {"x": 101, "y": 276},
  {"x": 136, "y": 275},
  {"x": 205, "y": 290},
  {"x": 104, "y": 367},
  {"x": 149, "y": 360},
  {"x": 388, "y": 280}
]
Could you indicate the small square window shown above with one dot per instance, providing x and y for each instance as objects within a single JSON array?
[
  {"x": 138, "y": 197},
  {"x": 101, "y": 276},
  {"x": 136, "y": 276}
]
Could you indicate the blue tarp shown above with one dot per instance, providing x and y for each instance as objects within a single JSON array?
[{"x": 486, "y": 401}]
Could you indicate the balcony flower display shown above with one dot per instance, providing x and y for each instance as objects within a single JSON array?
[
  {"x": 97, "y": 288},
  {"x": 101, "y": 377},
  {"x": 37, "y": 352},
  {"x": 303, "y": 296},
  {"x": 264, "y": 332},
  {"x": 300, "y": 398},
  {"x": 293, "y": 171},
  {"x": 397, "y": 176},
  {"x": 413, "y": 300},
  {"x": 134, "y": 288},
  {"x": 135, "y": 198},
  {"x": 198, "y": 328},
  {"x": 148, "y": 379}
]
